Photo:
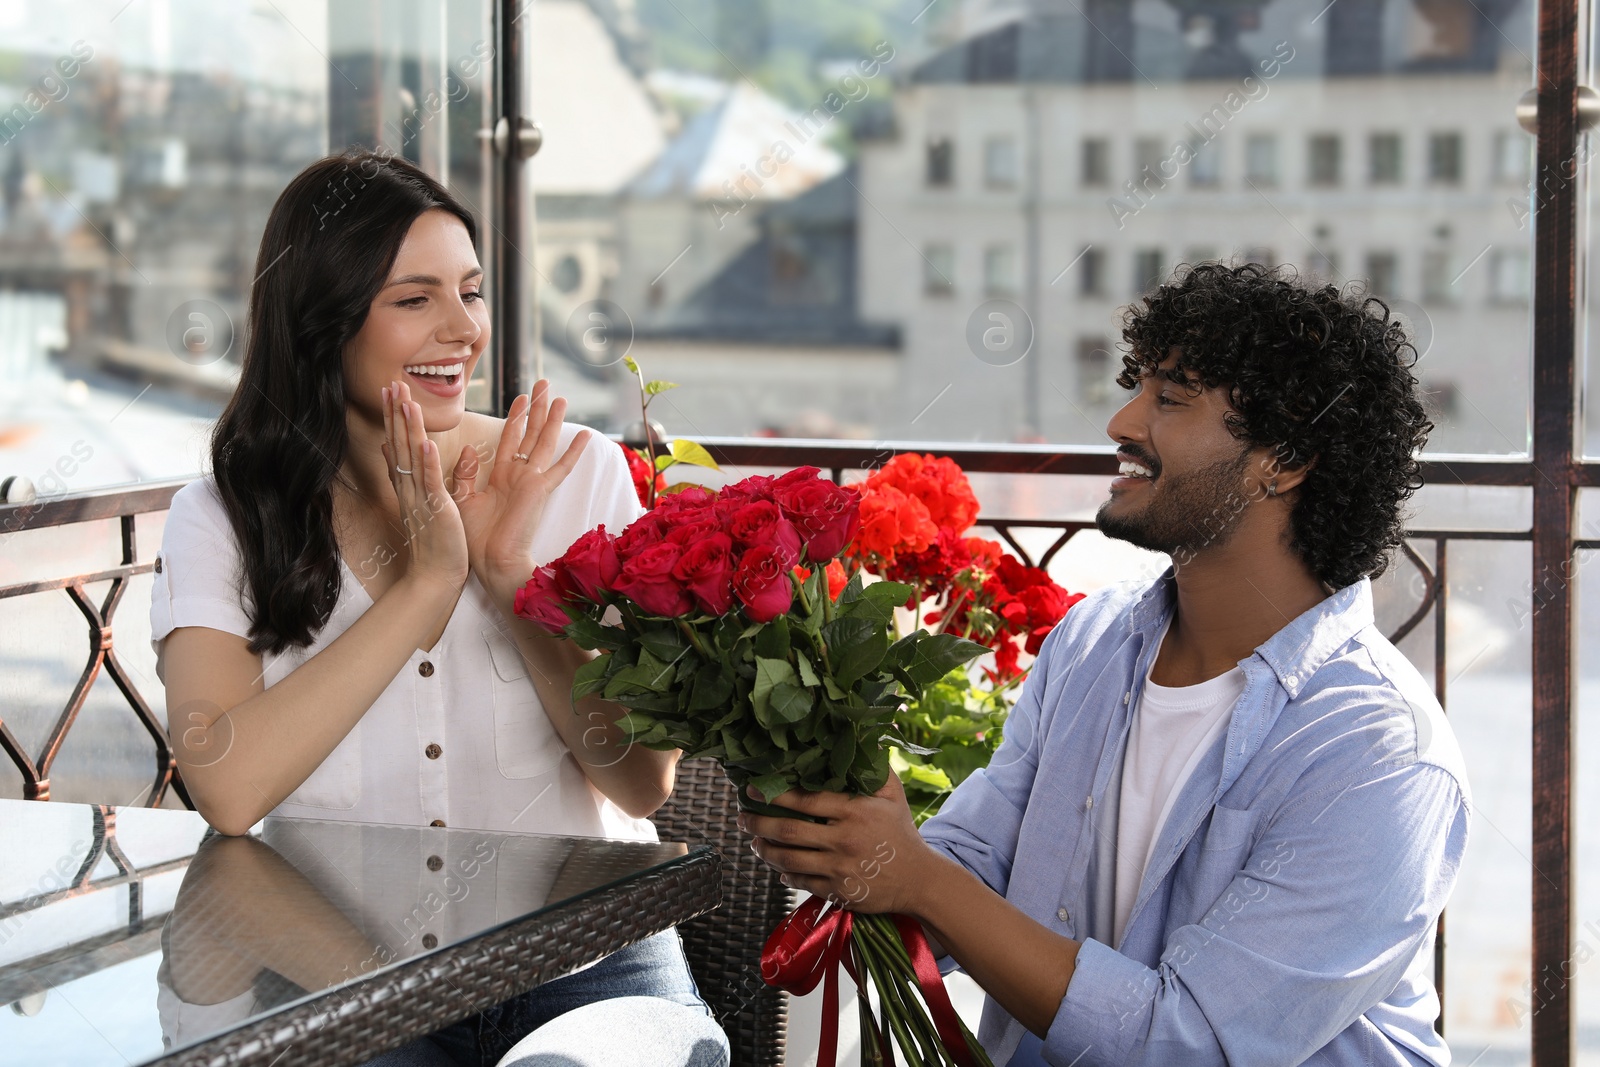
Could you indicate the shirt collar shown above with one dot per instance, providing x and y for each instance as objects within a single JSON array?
[{"x": 1293, "y": 653}]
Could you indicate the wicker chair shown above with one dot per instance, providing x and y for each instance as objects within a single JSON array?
[{"x": 724, "y": 947}]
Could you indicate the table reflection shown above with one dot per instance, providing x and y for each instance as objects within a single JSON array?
[{"x": 307, "y": 906}]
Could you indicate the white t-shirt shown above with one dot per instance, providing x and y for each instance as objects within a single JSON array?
[
  {"x": 499, "y": 764},
  {"x": 1172, "y": 729}
]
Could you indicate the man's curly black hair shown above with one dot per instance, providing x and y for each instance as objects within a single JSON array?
[{"x": 1316, "y": 374}]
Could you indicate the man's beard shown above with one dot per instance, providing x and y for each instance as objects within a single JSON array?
[{"x": 1192, "y": 511}]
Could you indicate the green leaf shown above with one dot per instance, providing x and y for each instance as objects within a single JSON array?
[
  {"x": 852, "y": 588},
  {"x": 773, "y": 640},
  {"x": 666, "y": 642},
  {"x": 591, "y": 677},
  {"x": 588, "y": 633},
  {"x": 687, "y": 451},
  {"x": 652, "y": 388},
  {"x": 769, "y": 672},
  {"x": 633, "y": 367},
  {"x": 712, "y": 689},
  {"x": 938, "y": 654},
  {"x": 808, "y": 673},
  {"x": 771, "y": 786},
  {"x": 843, "y": 751},
  {"x": 855, "y": 647},
  {"x": 878, "y": 601},
  {"x": 789, "y": 703},
  {"x": 636, "y": 724},
  {"x": 664, "y": 461}
]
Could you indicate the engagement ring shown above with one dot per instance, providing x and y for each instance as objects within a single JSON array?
[
  {"x": 401, "y": 470},
  {"x": 520, "y": 455}
]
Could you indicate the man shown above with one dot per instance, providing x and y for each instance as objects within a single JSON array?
[{"x": 1227, "y": 812}]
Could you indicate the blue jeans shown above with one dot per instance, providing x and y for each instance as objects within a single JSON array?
[{"x": 655, "y": 967}]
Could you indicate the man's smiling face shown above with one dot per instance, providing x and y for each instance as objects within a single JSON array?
[{"x": 1185, "y": 477}]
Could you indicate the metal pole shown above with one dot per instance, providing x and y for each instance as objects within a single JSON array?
[{"x": 1554, "y": 495}]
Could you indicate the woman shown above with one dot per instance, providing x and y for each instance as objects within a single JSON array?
[{"x": 332, "y": 612}]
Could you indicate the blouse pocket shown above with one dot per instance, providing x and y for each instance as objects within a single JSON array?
[
  {"x": 526, "y": 745},
  {"x": 1231, "y": 830},
  {"x": 336, "y": 784}
]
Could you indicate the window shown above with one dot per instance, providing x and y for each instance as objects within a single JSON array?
[
  {"x": 1323, "y": 263},
  {"x": 1510, "y": 280},
  {"x": 1438, "y": 276},
  {"x": 1148, "y": 152},
  {"x": 941, "y": 162},
  {"x": 1200, "y": 254},
  {"x": 1205, "y": 169},
  {"x": 1000, "y": 162},
  {"x": 1383, "y": 158},
  {"x": 1261, "y": 159},
  {"x": 1092, "y": 273},
  {"x": 1440, "y": 399},
  {"x": 999, "y": 270},
  {"x": 1260, "y": 254},
  {"x": 1096, "y": 161},
  {"x": 1095, "y": 375},
  {"x": 938, "y": 269},
  {"x": 568, "y": 273},
  {"x": 1444, "y": 158},
  {"x": 1322, "y": 159},
  {"x": 1383, "y": 274},
  {"x": 1513, "y": 156},
  {"x": 1147, "y": 269}
]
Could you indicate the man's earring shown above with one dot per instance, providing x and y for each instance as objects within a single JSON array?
[{"x": 1272, "y": 490}]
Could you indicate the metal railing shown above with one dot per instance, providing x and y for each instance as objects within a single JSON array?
[{"x": 124, "y": 505}]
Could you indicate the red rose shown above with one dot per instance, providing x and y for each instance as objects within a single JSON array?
[
  {"x": 647, "y": 580},
  {"x": 539, "y": 601},
  {"x": 706, "y": 570},
  {"x": 590, "y": 566},
  {"x": 825, "y": 515},
  {"x": 639, "y": 469},
  {"x": 648, "y": 529},
  {"x": 689, "y": 498},
  {"x": 762, "y": 523},
  {"x": 762, "y": 583},
  {"x": 755, "y": 487},
  {"x": 689, "y": 528}
]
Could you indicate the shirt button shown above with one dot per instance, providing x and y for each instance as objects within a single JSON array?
[
  {"x": 158, "y": 564},
  {"x": 433, "y": 752},
  {"x": 437, "y": 822},
  {"x": 429, "y": 941},
  {"x": 435, "y": 863},
  {"x": 425, "y": 669},
  {"x": 1125, "y": 698},
  {"x": 1088, "y": 803},
  {"x": 1063, "y": 914}
]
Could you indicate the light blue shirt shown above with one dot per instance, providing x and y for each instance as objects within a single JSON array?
[{"x": 1288, "y": 911}]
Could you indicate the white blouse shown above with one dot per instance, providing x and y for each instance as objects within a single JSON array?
[{"x": 459, "y": 737}]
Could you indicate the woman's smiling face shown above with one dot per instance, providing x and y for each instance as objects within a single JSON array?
[{"x": 428, "y": 318}]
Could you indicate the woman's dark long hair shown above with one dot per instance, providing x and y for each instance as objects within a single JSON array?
[{"x": 329, "y": 245}]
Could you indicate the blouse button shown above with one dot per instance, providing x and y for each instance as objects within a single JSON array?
[
  {"x": 1063, "y": 914},
  {"x": 433, "y": 752},
  {"x": 425, "y": 669},
  {"x": 437, "y": 822},
  {"x": 434, "y": 863},
  {"x": 158, "y": 564},
  {"x": 429, "y": 941}
]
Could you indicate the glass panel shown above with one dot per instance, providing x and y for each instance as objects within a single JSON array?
[
  {"x": 1586, "y": 813},
  {"x": 1489, "y": 699},
  {"x": 141, "y": 148},
  {"x": 891, "y": 147}
]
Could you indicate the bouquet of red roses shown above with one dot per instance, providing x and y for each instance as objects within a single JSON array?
[{"x": 718, "y": 633}]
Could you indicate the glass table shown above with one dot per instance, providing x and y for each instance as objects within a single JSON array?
[{"x": 134, "y": 936}]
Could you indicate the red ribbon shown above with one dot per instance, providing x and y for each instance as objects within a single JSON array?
[
  {"x": 934, "y": 995},
  {"x": 809, "y": 945},
  {"x": 804, "y": 947}
]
